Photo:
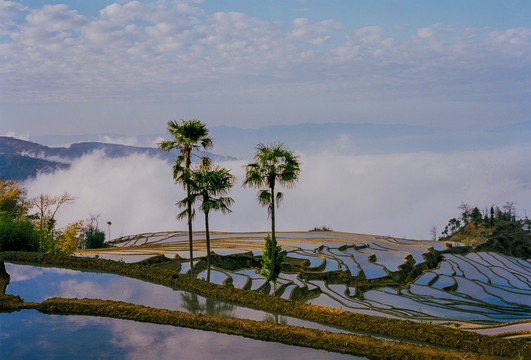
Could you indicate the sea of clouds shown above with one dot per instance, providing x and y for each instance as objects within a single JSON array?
[{"x": 400, "y": 195}]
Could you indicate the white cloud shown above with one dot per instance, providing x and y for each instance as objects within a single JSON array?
[
  {"x": 16, "y": 135},
  {"x": 395, "y": 194},
  {"x": 173, "y": 52},
  {"x": 130, "y": 141},
  {"x": 314, "y": 33},
  {"x": 137, "y": 194},
  {"x": 9, "y": 10},
  {"x": 515, "y": 41}
]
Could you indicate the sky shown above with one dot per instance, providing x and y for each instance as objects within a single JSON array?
[
  {"x": 454, "y": 67},
  {"x": 127, "y": 67}
]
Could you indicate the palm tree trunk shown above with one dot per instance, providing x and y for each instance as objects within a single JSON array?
[
  {"x": 273, "y": 236},
  {"x": 208, "y": 245},
  {"x": 190, "y": 239},
  {"x": 273, "y": 242}
]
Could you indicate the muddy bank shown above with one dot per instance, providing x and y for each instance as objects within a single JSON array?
[
  {"x": 434, "y": 334},
  {"x": 4, "y": 278}
]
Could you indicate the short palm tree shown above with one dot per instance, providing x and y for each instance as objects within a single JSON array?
[
  {"x": 273, "y": 165},
  {"x": 186, "y": 136},
  {"x": 209, "y": 185}
]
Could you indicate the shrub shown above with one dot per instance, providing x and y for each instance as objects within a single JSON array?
[
  {"x": 17, "y": 235},
  {"x": 94, "y": 238},
  {"x": 322, "y": 228},
  {"x": 266, "y": 260}
]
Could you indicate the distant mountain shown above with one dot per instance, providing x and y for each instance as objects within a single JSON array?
[
  {"x": 19, "y": 167},
  {"x": 343, "y": 138},
  {"x": 21, "y": 159}
]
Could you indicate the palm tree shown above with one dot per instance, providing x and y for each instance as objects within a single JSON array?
[
  {"x": 187, "y": 136},
  {"x": 210, "y": 185},
  {"x": 274, "y": 165}
]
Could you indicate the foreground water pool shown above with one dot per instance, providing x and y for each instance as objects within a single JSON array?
[
  {"x": 36, "y": 284},
  {"x": 29, "y": 334}
]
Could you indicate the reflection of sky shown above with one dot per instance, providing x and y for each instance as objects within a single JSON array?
[
  {"x": 29, "y": 334},
  {"x": 39, "y": 283}
]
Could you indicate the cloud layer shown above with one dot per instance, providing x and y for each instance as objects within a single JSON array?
[{"x": 400, "y": 195}]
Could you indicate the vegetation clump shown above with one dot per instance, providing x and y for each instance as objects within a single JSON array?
[
  {"x": 491, "y": 230},
  {"x": 321, "y": 228},
  {"x": 510, "y": 239},
  {"x": 267, "y": 259}
]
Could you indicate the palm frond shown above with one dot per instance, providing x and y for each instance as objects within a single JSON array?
[
  {"x": 279, "y": 197},
  {"x": 184, "y": 214},
  {"x": 264, "y": 198}
]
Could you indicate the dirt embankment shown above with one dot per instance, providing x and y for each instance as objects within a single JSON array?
[
  {"x": 4, "y": 278},
  {"x": 469, "y": 345}
]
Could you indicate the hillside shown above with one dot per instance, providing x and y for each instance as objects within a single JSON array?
[{"x": 21, "y": 159}]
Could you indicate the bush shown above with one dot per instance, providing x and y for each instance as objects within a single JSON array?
[
  {"x": 322, "y": 228},
  {"x": 266, "y": 259},
  {"x": 94, "y": 238},
  {"x": 18, "y": 235}
]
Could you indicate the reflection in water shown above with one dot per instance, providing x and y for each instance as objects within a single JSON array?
[
  {"x": 209, "y": 306},
  {"x": 279, "y": 319},
  {"x": 36, "y": 284},
  {"x": 29, "y": 334}
]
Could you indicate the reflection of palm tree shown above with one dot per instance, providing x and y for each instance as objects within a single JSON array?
[
  {"x": 191, "y": 303},
  {"x": 276, "y": 318},
  {"x": 209, "y": 185},
  {"x": 274, "y": 165},
  {"x": 188, "y": 136},
  {"x": 211, "y": 306},
  {"x": 216, "y": 307}
]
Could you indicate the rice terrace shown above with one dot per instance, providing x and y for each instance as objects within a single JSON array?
[{"x": 371, "y": 296}]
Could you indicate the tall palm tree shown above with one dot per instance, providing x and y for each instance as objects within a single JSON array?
[
  {"x": 186, "y": 136},
  {"x": 273, "y": 165},
  {"x": 209, "y": 185}
]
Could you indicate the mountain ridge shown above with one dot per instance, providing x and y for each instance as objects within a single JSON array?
[{"x": 22, "y": 159}]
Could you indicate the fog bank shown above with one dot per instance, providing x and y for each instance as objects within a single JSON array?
[{"x": 401, "y": 195}]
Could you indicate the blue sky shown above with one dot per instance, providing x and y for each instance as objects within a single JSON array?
[{"x": 127, "y": 67}]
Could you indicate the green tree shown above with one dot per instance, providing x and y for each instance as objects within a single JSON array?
[
  {"x": 94, "y": 238},
  {"x": 18, "y": 235},
  {"x": 476, "y": 216},
  {"x": 209, "y": 185},
  {"x": 454, "y": 225},
  {"x": 186, "y": 136},
  {"x": 273, "y": 165}
]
